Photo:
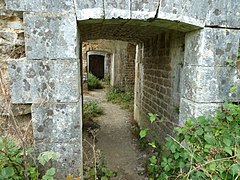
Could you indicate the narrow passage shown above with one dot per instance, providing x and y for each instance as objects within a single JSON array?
[{"x": 115, "y": 140}]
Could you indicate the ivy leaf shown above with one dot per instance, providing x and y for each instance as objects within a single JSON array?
[
  {"x": 227, "y": 141},
  {"x": 235, "y": 169},
  {"x": 228, "y": 150},
  {"x": 104, "y": 178},
  {"x": 212, "y": 166},
  {"x": 229, "y": 60},
  {"x": 44, "y": 157},
  {"x": 209, "y": 138},
  {"x": 152, "y": 117},
  {"x": 233, "y": 88},
  {"x": 7, "y": 172},
  {"x": 167, "y": 168},
  {"x": 176, "y": 155},
  {"x": 173, "y": 148},
  {"x": 153, "y": 160},
  {"x": 51, "y": 172},
  {"x": 91, "y": 172},
  {"x": 198, "y": 132},
  {"x": 153, "y": 144},
  {"x": 143, "y": 133}
]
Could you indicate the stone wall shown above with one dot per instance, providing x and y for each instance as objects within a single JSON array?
[
  {"x": 162, "y": 66},
  {"x": 50, "y": 76},
  {"x": 207, "y": 76},
  {"x": 121, "y": 60},
  {"x": 12, "y": 46}
]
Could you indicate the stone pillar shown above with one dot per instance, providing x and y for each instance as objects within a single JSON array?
[
  {"x": 207, "y": 78},
  {"x": 50, "y": 79}
]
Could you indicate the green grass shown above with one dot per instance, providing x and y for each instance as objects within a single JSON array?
[
  {"x": 93, "y": 82},
  {"x": 91, "y": 109},
  {"x": 124, "y": 99}
]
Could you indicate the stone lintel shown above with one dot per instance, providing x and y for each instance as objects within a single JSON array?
[{"x": 39, "y": 81}]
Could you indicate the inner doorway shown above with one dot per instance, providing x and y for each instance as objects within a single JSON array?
[{"x": 96, "y": 65}]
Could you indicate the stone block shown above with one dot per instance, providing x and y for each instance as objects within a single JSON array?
[
  {"x": 224, "y": 13},
  {"x": 211, "y": 46},
  {"x": 70, "y": 161},
  {"x": 209, "y": 84},
  {"x": 90, "y": 9},
  {"x": 41, "y": 5},
  {"x": 191, "y": 109},
  {"x": 187, "y": 11},
  {"x": 51, "y": 36},
  {"x": 141, "y": 9},
  {"x": 53, "y": 123},
  {"x": 44, "y": 81},
  {"x": 117, "y": 9}
]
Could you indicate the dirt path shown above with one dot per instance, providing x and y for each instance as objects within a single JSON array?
[{"x": 116, "y": 142}]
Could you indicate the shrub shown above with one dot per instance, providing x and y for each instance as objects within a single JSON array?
[
  {"x": 13, "y": 163},
  {"x": 125, "y": 99},
  {"x": 91, "y": 109},
  {"x": 93, "y": 82},
  {"x": 205, "y": 148}
]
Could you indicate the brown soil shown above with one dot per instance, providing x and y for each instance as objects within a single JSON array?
[{"x": 117, "y": 144}]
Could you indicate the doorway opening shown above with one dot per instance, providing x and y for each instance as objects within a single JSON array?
[{"x": 96, "y": 65}]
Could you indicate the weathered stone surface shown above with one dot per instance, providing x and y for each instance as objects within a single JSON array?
[
  {"x": 172, "y": 10},
  {"x": 89, "y": 9},
  {"x": 224, "y": 13},
  {"x": 51, "y": 36},
  {"x": 44, "y": 81},
  {"x": 191, "y": 12},
  {"x": 211, "y": 46},
  {"x": 117, "y": 9},
  {"x": 54, "y": 123},
  {"x": 70, "y": 161},
  {"x": 189, "y": 109},
  {"x": 41, "y": 5},
  {"x": 209, "y": 84}
]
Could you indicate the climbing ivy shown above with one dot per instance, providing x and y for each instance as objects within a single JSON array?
[{"x": 204, "y": 148}]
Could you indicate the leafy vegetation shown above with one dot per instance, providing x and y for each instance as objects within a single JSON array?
[
  {"x": 93, "y": 82},
  {"x": 205, "y": 148},
  {"x": 125, "y": 99},
  {"x": 91, "y": 109},
  {"x": 12, "y": 162},
  {"x": 103, "y": 173}
]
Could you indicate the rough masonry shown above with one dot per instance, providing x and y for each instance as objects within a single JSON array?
[{"x": 180, "y": 68}]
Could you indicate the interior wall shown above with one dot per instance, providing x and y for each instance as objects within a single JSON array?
[{"x": 161, "y": 66}]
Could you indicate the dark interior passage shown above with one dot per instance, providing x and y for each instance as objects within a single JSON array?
[{"x": 96, "y": 65}]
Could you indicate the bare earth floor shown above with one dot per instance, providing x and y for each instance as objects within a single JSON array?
[{"x": 115, "y": 140}]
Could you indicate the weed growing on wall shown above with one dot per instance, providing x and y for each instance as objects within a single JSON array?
[{"x": 204, "y": 148}]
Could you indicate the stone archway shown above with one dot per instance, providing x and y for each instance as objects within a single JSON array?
[{"x": 50, "y": 76}]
